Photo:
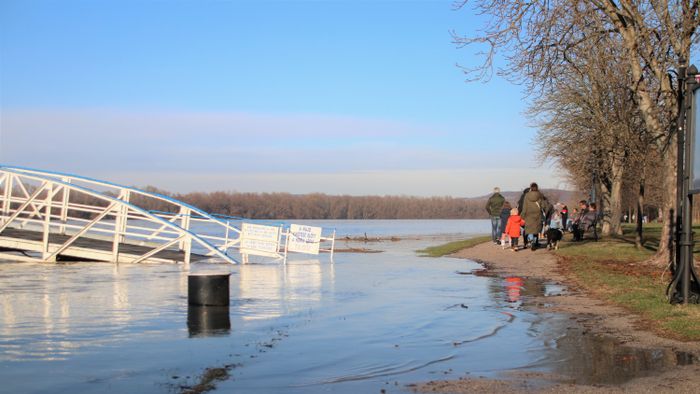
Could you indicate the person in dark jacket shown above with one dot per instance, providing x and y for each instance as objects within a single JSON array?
[
  {"x": 521, "y": 200},
  {"x": 535, "y": 207},
  {"x": 576, "y": 227},
  {"x": 564, "y": 215},
  {"x": 505, "y": 214},
  {"x": 493, "y": 207}
]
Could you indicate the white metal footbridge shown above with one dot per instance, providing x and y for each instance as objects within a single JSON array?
[{"x": 49, "y": 216}]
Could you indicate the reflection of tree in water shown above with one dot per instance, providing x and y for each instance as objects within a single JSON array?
[{"x": 596, "y": 359}]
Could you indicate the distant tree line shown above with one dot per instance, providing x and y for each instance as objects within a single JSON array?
[
  {"x": 308, "y": 206},
  {"x": 324, "y": 206}
]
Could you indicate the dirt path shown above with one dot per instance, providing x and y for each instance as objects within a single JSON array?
[{"x": 594, "y": 315}]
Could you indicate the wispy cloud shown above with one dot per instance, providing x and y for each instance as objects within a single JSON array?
[
  {"x": 463, "y": 183},
  {"x": 187, "y": 151}
]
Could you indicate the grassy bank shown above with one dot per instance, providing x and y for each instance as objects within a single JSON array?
[
  {"x": 611, "y": 269},
  {"x": 452, "y": 247}
]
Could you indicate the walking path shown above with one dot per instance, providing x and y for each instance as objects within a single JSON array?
[{"x": 595, "y": 316}]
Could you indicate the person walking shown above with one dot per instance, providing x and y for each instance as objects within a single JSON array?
[
  {"x": 520, "y": 207},
  {"x": 513, "y": 228},
  {"x": 493, "y": 207},
  {"x": 505, "y": 214},
  {"x": 535, "y": 206}
]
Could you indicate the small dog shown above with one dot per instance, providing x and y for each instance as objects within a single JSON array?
[{"x": 554, "y": 235}]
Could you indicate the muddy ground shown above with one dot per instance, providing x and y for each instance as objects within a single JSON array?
[{"x": 595, "y": 317}]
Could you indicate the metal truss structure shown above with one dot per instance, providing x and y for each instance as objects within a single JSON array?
[{"x": 49, "y": 216}]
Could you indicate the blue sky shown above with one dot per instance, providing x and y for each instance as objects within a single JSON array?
[{"x": 341, "y": 97}]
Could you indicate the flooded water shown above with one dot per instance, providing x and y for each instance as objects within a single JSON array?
[{"x": 362, "y": 323}]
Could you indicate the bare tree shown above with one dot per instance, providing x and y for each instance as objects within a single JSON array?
[
  {"x": 588, "y": 123},
  {"x": 538, "y": 37}
]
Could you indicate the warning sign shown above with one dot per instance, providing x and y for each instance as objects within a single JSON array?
[
  {"x": 304, "y": 239},
  {"x": 260, "y": 240}
]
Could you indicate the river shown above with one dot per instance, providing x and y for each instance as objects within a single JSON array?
[{"x": 361, "y": 323}]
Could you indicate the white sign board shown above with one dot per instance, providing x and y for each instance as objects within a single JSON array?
[
  {"x": 260, "y": 240},
  {"x": 304, "y": 239}
]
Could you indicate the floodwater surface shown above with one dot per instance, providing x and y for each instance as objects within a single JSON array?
[{"x": 362, "y": 323}]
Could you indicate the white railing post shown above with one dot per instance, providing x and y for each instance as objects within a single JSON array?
[
  {"x": 120, "y": 218},
  {"x": 185, "y": 224},
  {"x": 47, "y": 223},
  {"x": 7, "y": 194},
  {"x": 123, "y": 224},
  {"x": 286, "y": 246},
  {"x": 332, "y": 246},
  {"x": 64, "y": 207},
  {"x": 225, "y": 249},
  {"x": 188, "y": 250}
]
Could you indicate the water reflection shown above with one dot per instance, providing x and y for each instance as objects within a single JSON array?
[
  {"x": 267, "y": 291},
  {"x": 208, "y": 321},
  {"x": 51, "y": 311},
  {"x": 514, "y": 287},
  {"x": 514, "y": 290},
  {"x": 585, "y": 358},
  {"x": 348, "y": 327},
  {"x": 600, "y": 359}
]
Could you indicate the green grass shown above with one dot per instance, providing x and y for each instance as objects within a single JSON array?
[
  {"x": 612, "y": 269},
  {"x": 452, "y": 247}
]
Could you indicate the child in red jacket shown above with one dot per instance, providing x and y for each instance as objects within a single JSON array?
[{"x": 513, "y": 228}]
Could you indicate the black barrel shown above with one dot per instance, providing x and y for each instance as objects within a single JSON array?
[
  {"x": 208, "y": 321},
  {"x": 208, "y": 289}
]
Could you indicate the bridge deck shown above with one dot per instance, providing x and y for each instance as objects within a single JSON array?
[{"x": 86, "y": 248}]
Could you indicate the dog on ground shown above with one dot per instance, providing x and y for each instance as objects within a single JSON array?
[{"x": 554, "y": 235}]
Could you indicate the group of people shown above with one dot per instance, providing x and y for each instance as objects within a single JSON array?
[{"x": 535, "y": 217}]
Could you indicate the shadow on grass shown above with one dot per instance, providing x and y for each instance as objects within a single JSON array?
[{"x": 612, "y": 269}]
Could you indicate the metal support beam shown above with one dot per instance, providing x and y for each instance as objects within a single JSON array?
[
  {"x": 158, "y": 249},
  {"x": 22, "y": 207},
  {"x": 47, "y": 222},
  {"x": 82, "y": 231}
]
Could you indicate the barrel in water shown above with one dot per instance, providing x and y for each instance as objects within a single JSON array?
[{"x": 208, "y": 289}]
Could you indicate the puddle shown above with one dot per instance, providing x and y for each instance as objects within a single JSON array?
[{"x": 601, "y": 359}]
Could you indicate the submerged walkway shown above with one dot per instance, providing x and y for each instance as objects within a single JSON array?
[
  {"x": 538, "y": 264},
  {"x": 596, "y": 317}
]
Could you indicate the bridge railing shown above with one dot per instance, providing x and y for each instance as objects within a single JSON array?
[{"x": 74, "y": 207}]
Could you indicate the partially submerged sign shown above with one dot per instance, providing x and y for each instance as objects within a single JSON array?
[
  {"x": 260, "y": 240},
  {"x": 304, "y": 239}
]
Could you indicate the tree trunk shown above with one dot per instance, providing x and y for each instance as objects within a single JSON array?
[
  {"x": 613, "y": 205},
  {"x": 663, "y": 254},
  {"x": 639, "y": 236}
]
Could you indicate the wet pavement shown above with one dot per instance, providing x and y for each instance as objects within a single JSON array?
[{"x": 363, "y": 323}]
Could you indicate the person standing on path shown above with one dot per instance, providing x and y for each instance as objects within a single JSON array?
[
  {"x": 535, "y": 206},
  {"x": 505, "y": 214},
  {"x": 494, "y": 206},
  {"x": 513, "y": 228},
  {"x": 520, "y": 207}
]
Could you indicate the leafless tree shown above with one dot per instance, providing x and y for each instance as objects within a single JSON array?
[{"x": 538, "y": 36}]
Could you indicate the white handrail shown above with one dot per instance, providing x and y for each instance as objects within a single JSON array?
[{"x": 52, "y": 183}]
